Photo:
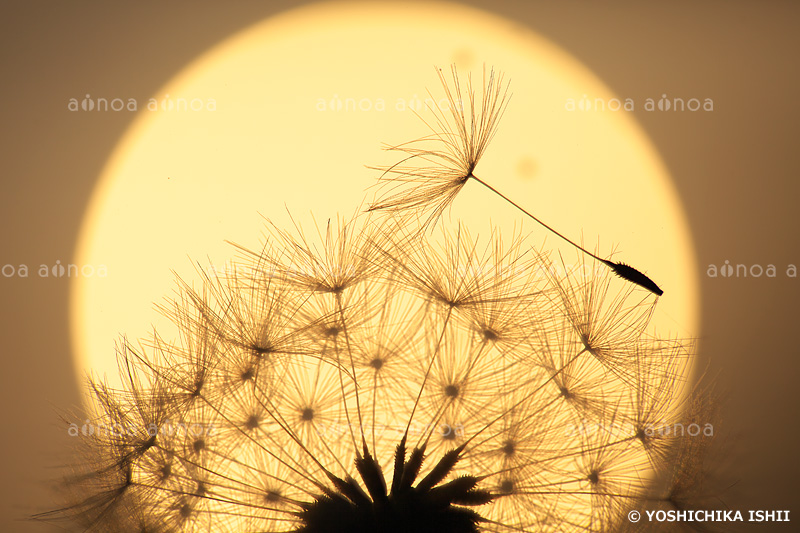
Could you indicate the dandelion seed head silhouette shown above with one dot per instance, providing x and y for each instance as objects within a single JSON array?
[{"x": 358, "y": 373}]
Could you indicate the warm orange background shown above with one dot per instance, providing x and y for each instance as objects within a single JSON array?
[{"x": 736, "y": 169}]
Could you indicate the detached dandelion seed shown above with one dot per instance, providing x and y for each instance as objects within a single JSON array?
[
  {"x": 371, "y": 377},
  {"x": 437, "y": 167}
]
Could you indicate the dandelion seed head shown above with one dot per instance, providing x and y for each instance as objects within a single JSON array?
[
  {"x": 509, "y": 447},
  {"x": 506, "y": 486},
  {"x": 368, "y": 375},
  {"x": 248, "y": 373},
  {"x": 488, "y": 334},
  {"x": 435, "y": 168},
  {"x": 252, "y": 422},
  {"x": 451, "y": 391}
]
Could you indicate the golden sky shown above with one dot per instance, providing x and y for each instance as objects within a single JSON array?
[{"x": 734, "y": 171}]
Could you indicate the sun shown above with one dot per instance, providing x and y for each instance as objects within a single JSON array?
[{"x": 292, "y": 109}]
